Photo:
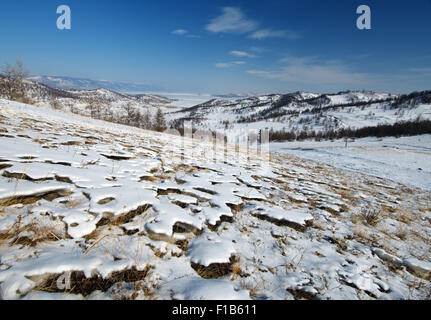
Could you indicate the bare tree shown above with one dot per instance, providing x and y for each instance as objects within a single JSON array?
[
  {"x": 12, "y": 85},
  {"x": 137, "y": 118},
  {"x": 94, "y": 107},
  {"x": 108, "y": 114},
  {"x": 159, "y": 121},
  {"x": 147, "y": 121},
  {"x": 131, "y": 114},
  {"x": 56, "y": 104}
]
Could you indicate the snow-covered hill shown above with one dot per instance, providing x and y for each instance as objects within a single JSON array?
[
  {"x": 90, "y": 209},
  {"x": 301, "y": 111},
  {"x": 106, "y": 102}
]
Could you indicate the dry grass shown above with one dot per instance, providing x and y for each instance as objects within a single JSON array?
[
  {"x": 85, "y": 286},
  {"x": 401, "y": 232},
  {"x": 404, "y": 217},
  {"x": 71, "y": 203},
  {"x": 93, "y": 235},
  {"x": 301, "y": 294},
  {"x": 128, "y": 217},
  {"x": 215, "y": 270},
  {"x": 138, "y": 287},
  {"x": 236, "y": 271},
  {"x": 370, "y": 216},
  {"x": 253, "y": 288},
  {"x": 318, "y": 225},
  {"x": 295, "y": 261},
  {"x": 362, "y": 235},
  {"x": 34, "y": 233},
  {"x": 30, "y": 199},
  {"x": 347, "y": 195},
  {"x": 340, "y": 243},
  {"x": 419, "y": 285}
]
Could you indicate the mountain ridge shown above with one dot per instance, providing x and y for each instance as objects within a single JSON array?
[{"x": 74, "y": 83}]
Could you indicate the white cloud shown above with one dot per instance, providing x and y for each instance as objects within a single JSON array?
[
  {"x": 184, "y": 33},
  {"x": 270, "y": 33},
  {"x": 179, "y": 32},
  {"x": 228, "y": 64},
  {"x": 424, "y": 70},
  {"x": 232, "y": 20},
  {"x": 307, "y": 70},
  {"x": 242, "y": 54}
]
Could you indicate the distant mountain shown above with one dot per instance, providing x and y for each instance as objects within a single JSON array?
[
  {"x": 232, "y": 95},
  {"x": 39, "y": 92},
  {"x": 70, "y": 83}
]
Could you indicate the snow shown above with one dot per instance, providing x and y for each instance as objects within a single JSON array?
[
  {"x": 133, "y": 194},
  {"x": 208, "y": 249},
  {"x": 297, "y": 216},
  {"x": 406, "y": 159},
  {"x": 146, "y": 211},
  {"x": 185, "y": 100},
  {"x": 28, "y": 188},
  {"x": 182, "y": 198},
  {"x": 201, "y": 289},
  {"x": 421, "y": 267},
  {"x": 167, "y": 215}
]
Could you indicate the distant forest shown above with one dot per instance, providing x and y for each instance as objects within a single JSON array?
[{"x": 403, "y": 128}]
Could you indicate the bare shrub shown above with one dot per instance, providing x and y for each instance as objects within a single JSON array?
[
  {"x": 12, "y": 82},
  {"x": 370, "y": 216}
]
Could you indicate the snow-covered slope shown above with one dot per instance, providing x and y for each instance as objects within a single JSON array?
[
  {"x": 297, "y": 112},
  {"x": 126, "y": 213},
  {"x": 108, "y": 103},
  {"x": 403, "y": 159}
]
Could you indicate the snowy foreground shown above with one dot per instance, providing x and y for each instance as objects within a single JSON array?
[
  {"x": 94, "y": 210},
  {"x": 406, "y": 159}
]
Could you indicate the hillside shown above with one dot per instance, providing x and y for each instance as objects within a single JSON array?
[
  {"x": 117, "y": 212},
  {"x": 96, "y": 103},
  {"x": 305, "y": 112}
]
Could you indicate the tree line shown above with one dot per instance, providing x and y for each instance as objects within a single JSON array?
[
  {"x": 130, "y": 116},
  {"x": 402, "y": 128}
]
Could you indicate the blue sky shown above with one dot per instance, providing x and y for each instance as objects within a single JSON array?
[{"x": 226, "y": 46}]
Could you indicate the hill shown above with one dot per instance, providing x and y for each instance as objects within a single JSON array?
[{"x": 92, "y": 210}]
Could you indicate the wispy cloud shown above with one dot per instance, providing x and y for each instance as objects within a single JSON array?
[
  {"x": 242, "y": 54},
  {"x": 422, "y": 70},
  {"x": 184, "y": 33},
  {"x": 308, "y": 70},
  {"x": 232, "y": 20},
  {"x": 179, "y": 32},
  {"x": 270, "y": 33},
  {"x": 229, "y": 64}
]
